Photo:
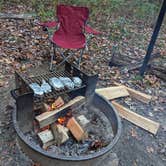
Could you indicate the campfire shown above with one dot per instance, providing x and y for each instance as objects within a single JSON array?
[
  {"x": 68, "y": 125},
  {"x": 79, "y": 131}
]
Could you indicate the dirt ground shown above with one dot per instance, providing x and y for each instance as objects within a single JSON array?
[
  {"x": 26, "y": 47},
  {"x": 135, "y": 147}
]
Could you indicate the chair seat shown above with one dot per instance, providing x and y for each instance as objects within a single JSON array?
[{"x": 67, "y": 41}]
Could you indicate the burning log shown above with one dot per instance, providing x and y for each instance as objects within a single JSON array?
[
  {"x": 58, "y": 103},
  {"x": 60, "y": 133},
  {"x": 76, "y": 129},
  {"x": 47, "y": 118},
  {"x": 46, "y": 107}
]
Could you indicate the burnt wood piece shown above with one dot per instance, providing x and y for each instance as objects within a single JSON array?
[
  {"x": 46, "y": 107},
  {"x": 47, "y": 118},
  {"x": 58, "y": 103},
  {"x": 136, "y": 119},
  {"x": 76, "y": 130}
]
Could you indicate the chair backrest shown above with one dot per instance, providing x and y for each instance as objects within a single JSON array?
[{"x": 72, "y": 19}]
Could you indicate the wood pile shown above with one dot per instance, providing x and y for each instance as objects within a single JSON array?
[
  {"x": 49, "y": 121},
  {"x": 55, "y": 133}
]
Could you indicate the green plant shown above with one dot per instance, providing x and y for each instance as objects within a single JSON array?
[
  {"x": 118, "y": 29},
  {"x": 145, "y": 9},
  {"x": 44, "y": 9}
]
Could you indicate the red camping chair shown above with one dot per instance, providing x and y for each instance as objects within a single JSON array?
[{"x": 70, "y": 34}]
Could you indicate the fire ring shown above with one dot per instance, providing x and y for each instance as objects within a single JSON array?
[{"x": 43, "y": 157}]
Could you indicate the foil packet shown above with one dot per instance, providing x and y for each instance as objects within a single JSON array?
[
  {"x": 77, "y": 82},
  {"x": 36, "y": 89},
  {"x": 56, "y": 83},
  {"x": 46, "y": 88},
  {"x": 67, "y": 82}
]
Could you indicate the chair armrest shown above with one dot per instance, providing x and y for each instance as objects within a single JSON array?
[
  {"x": 49, "y": 24},
  {"x": 89, "y": 29}
]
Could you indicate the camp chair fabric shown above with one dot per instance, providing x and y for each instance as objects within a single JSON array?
[{"x": 71, "y": 27}]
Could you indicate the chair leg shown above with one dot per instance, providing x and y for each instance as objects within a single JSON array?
[
  {"x": 80, "y": 58},
  {"x": 53, "y": 56}
]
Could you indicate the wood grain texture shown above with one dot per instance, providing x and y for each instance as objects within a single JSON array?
[
  {"x": 136, "y": 119},
  {"x": 47, "y": 118},
  {"x": 113, "y": 92},
  {"x": 137, "y": 94}
]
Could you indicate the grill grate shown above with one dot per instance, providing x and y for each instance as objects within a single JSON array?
[{"x": 23, "y": 81}]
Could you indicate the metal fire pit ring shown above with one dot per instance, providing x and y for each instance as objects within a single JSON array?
[{"x": 43, "y": 157}]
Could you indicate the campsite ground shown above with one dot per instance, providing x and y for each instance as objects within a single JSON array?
[{"x": 26, "y": 46}]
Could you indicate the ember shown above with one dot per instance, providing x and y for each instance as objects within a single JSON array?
[{"x": 62, "y": 120}]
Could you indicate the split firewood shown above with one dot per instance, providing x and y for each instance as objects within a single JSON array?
[
  {"x": 46, "y": 107},
  {"x": 136, "y": 94},
  {"x": 50, "y": 117},
  {"x": 58, "y": 103},
  {"x": 60, "y": 133},
  {"x": 76, "y": 130},
  {"x": 46, "y": 138},
  {"x": 113, "y": 92},
  {"x": 136, "y": 119}
]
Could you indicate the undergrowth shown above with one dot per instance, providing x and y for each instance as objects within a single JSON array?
[{"x": 140, "y": 9}]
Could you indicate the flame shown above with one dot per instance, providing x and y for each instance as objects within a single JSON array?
[
  {"x": 62, "y": 120},
  {"x": 53, "y": 106}
]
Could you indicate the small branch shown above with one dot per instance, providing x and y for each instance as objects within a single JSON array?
[{"x": 17, "y": 16}]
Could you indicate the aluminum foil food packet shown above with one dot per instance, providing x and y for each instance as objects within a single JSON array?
[
  {"x": 67, "y": 82},
  {"x": 77, "y": 81},
  {"x": 36, "y": 89},
  {"x": 46, "y": 88},
  {"x": 56, "y": 83}
]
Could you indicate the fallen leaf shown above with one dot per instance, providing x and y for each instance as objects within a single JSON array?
[
  {"x": 2, "y": 83},
  {"x": 86, "y": 56},
  {"x": 133, "y": 133}
]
